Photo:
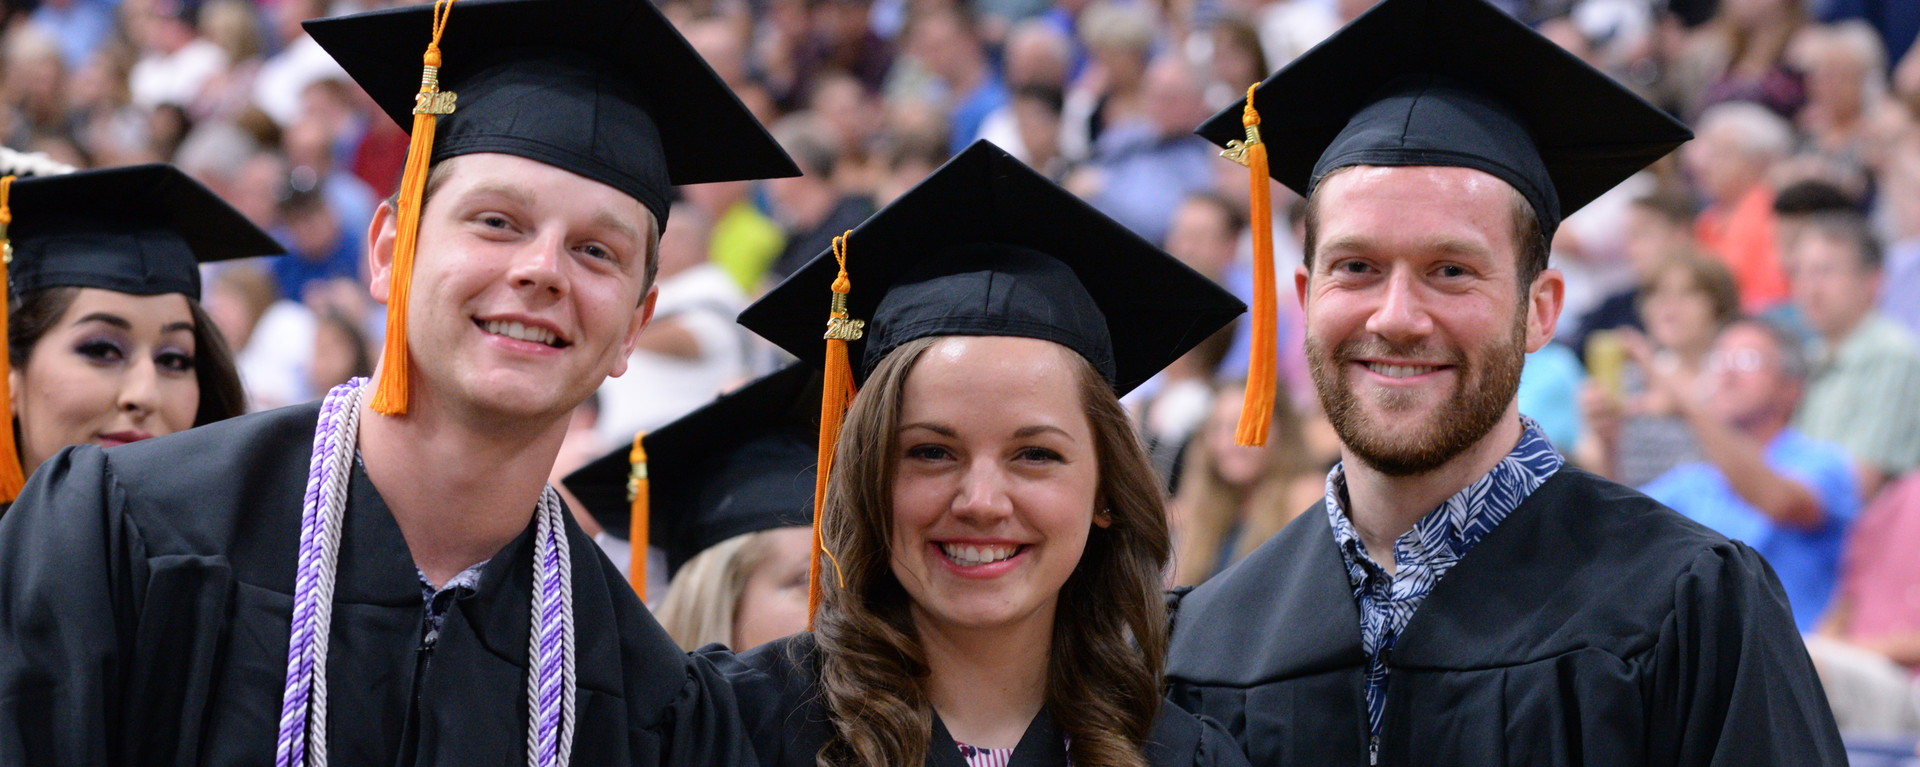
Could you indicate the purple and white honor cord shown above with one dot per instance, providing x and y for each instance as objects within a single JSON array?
[{"x": 303, "y": 710}]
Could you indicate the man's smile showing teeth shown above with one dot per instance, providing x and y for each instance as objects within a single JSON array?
[
  {"x": 519, "y": 332},
  {"x": 1401, "y": 371},
  {"x": 975, "y": 555}
]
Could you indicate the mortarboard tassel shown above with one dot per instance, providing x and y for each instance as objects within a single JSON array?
[
  {"x": 836, "y": 394},
  {"x": 638, "y": 494},
  {"x": 1256, "y": 411},
  {"x": 390, "y": 393},
  {"x": 12, "y": 477}
]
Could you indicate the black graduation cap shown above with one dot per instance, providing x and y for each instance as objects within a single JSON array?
[
  {"x": 142, "y": 229},
  {"x": 741, "y": 464},
  {"x": 1454, "y": 83},
  {"x": 606, "y": 89},
  {"x": 987, "y": 246}
]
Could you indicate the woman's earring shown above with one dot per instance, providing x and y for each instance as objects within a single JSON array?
[{"x": 1103, "y": 517}]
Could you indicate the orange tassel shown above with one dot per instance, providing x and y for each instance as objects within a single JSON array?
[
  {"x": 1256, "y": 410},
  {"x": 836, "y": 394},
  {"x": 12, "y": 477},
  {"x": 390, "y": 392},
  {"x": 638, "y": 494}
]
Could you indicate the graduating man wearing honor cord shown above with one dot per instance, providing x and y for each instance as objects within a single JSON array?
[{"x": 383, "y": 577}]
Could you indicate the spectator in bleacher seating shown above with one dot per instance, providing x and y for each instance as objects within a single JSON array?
[
  {"x": 843, "y": 41},
  {"x": 1761, "y": 482},
  {"x": 34, "y": 84},
  {"x": 1634, "y": 432},
  {"x": 175, "y": 61},
  {"x": 79, "y": 26},
  {"x": 1231, "y": 499},
  {"x": 691, "y": 351},
  {"x": 319, "y": 247},
  {"x": 1869, "y": 644},
  {"x": 1866, "y": 373},
  {"x": 1658, "y": 228},
  {"x": 810, "y": 208},
  {"x": 1740, "y": 55},
  {"x": 1039, "y": 60},
  {"x": 1142, "y": 170},
  {"x": 947, "y": 43},
  {"x": 298, "y": 63},
  {"x": 1846, "y": 77},
  {"x": 1735, "y": 145},
  {"x": 1118, "y": 38},
  {"x": 1900, "y": 198},
  {"x": 271, "y": 337},
  {"x": 1237, "y": 58}
]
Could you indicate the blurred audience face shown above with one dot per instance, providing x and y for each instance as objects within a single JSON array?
[
  {"x": 1831, "y": 285},
  {"x": 719, "y": 42},
  {"x": 942, "y": 44},
  {"x": 1173, "y": 100},
  {"x": 684, "y": 244},
  {"x": 1237, "y": 466},
  {"x": 258, "y": 187},
  {"x": 1650, "y": 238},
  {"x": 773, "y": 603},
  {"x": 1734, "y": 146},
  {"x": 115, "y": 368},
  {"x": 1677, "y": 312},
  {"x": 1037, "y": 54},
  {"x": 1203, "y": 237},
  {"x": 338, "y": 354},
  {"x": 1748, "y": 385},
  {"x": 1415, "y": 335}
]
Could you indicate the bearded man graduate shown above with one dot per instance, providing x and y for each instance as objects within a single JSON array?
[
  {"x": 1462, "y": 596},
  {"x": 383, "y": 578}
]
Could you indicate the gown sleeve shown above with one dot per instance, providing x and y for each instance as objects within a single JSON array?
[
  {"x": 1217, "y": 748},
  {"x": 1732, "y": 680},
  {"x": 71, "y": 569},
  {"x": 703, "y": 726}
]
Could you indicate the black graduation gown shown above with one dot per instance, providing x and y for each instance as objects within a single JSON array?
[
  {"x": 780, "y": 700},
  {"x": 1592, "y": 627},
  {"x": 145, "y": 595}
]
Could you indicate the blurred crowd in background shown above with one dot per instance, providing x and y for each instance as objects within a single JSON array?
[{"x": 1738, "y": 337}]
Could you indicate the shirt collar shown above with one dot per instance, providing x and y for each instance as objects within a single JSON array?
[{"x": 1458, "y": 523}]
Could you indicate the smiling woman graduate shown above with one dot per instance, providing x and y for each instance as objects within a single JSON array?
[
  {"x": 107, "y": 341},
  {"x": 386, "y": 579},
  {"x": 994, "y": 540}
]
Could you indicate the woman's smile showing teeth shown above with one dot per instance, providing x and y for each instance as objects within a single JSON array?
[{"x": 966, "y": 555}]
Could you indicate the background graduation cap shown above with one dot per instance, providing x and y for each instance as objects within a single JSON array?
[
  {"x": 1433, "y": 82},
  {"x": 606, "y": 89},
  {"x": 986, "y": 246},
  {"x": 142, "y": 229},
  {"x": 739, "y": 465}
]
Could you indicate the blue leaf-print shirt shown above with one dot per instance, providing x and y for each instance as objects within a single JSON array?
[{"x": 1424, "y": 554}]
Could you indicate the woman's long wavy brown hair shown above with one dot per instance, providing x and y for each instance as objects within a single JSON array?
[{"x": 1109, "y": 631}]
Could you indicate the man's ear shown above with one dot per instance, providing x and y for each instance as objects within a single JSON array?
[
  {"x": 642, "y": 315},
  {"x": 1300, "y": 280},
  {"x": 380, "y": 234},
  {"x": 1544, "y": 299}
]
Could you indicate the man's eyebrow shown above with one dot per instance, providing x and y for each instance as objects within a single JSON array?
[
  {"x": 606, "y": 219},
  {"x": 1364, "y": 244},
  {"x": 514, "y": 194}
]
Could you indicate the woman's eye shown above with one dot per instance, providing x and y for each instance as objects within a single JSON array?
[
  {"x": 1039, "y": 454},
  {"x": 100, "y": 351},
  {"x": 927, "y": 452},
  {"x": 178, "y": 362}
]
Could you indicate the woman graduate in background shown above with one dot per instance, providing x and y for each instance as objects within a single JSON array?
[
  {"x": 107, "y": 343},
  {"x": 994, "y": 538},
  {"x": 730, "y": 500}
]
